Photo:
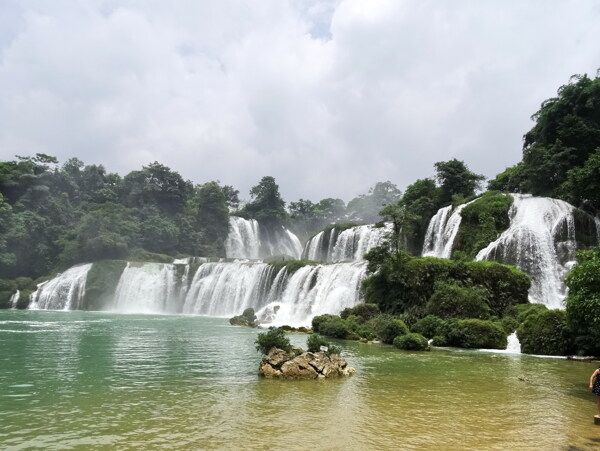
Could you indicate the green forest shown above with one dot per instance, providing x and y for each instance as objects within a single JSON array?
[{"x": 56, "y": 214}]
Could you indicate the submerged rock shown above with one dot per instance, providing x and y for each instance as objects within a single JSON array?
[{"x": 278, "y": 363}]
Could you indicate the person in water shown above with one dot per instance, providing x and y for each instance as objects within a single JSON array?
[{"x": 595, "y": 386}]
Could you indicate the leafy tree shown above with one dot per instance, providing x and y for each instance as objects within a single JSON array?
[
  {"x": 273, "y": 338},
  {"x": 212, "y": 219},
  {"x": 366, "y": 207},
  {"x": 231, "y": 196},
  {"x": 455, "y": 178},
  {"x": 266, "y": 206}
]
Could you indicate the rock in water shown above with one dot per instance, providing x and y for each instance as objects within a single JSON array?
[{"x": 278, "y": 363}]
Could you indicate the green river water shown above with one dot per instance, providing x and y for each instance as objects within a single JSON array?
[{"x": 85, "y": 380}]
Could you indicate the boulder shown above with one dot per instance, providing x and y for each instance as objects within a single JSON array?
[{"x": 278, "y": 363}]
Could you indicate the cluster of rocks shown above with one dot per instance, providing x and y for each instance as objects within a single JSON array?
[{"x": 298, "y": 364}]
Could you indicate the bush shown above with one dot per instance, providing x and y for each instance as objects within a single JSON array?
[
  {"x": 451, "y": 300},
  {"x": 411, "y": 342},
  {"x": 274, "y": 338},
  {"x": 388, "y": 328},
  {"x": 475, "y": 333},
  {"x": 430, "y": 326},
  {"x": 24, "y": 300},
  {"x": 363, "y": 311},
  {"x": 334, "y": 327},
  {"x": 314, "y": 343},
  {"x": 545, "y": 333},
  {"x": 320, "y": 319}
]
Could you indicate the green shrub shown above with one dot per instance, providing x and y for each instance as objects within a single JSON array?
[
  {"x": 318, "y": 320},
  {"x": 545, "y": 333},
  {"x": 475, "y": 333},
  {"x": 387, "y": 328},
  {"x": 314, "y": 343},
  {"x": 411, "y": 342},
  {"x": 509, "y": 324},
  {"x": 25, "y": 283},
  {"x": 334, "y": 327},
  {"x": 8, "y": 285},
  {"x": 274, "y": 338},
  {"x": 451, "y": 300},
  {"x": 363, "y": 311},
  {"x": 430, "y": 326},
  {"x": 24, "y": 300}
]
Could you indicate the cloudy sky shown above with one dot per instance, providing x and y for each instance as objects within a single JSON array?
[{"x": 327, "y": 96}]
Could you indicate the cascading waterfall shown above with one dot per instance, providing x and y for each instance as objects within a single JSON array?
[
  {"x": 64, "y": 292},
  {"x": 315, "y": 290},
  {"x": 14, "y": 299},
  {"x": 441, "y": 232},
  {"x": 349, "y": 245},
  {"x": 227, "y": 289},
  {"x": 248, "y": 240},
  {"x": 597, "y": 220},
  {"x": 147, "y": 288},
  {"x": 541, "y": 242}
]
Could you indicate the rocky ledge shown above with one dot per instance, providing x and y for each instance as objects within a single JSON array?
[{"x": 278, "y": 363}]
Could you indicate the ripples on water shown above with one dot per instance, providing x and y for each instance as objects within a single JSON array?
[{"x": 101, "y": 381}]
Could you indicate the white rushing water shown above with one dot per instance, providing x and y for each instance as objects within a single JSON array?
[
  {"x": 315, "y": 290},
  {"x": 147, "y": 288},
  {"x": 14, "y": 299},
  {"x": 348, "y": 245},
  {"x": 441, "y": 232},
  {"x": 248, "y": 240},
  {"x": 541, "y": 242},
  {"x": 513, "y": 346},
  {"x": 64, "y": 292}
]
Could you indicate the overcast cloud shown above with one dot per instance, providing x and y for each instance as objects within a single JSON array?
[{"x": 327, "y": 96}]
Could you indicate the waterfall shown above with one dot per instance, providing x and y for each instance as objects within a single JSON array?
[
  {"x": 597, "y": 220},
  {"x": 441, "y": 232},
  {"x": 348, "y": 245},
  {"x": 513, "y": 346},
  {"x": 248, "y": 240},
  {"x": 541, "y": 242},
  {"x": 243, "y": 240},
  {"x": 147, "y": 288},
  {"x": 64, "y": 292},
  {"x": 227, "y": 289},
  {"x": 14, "y": 299},
  {"x": 315, "y": 290}
]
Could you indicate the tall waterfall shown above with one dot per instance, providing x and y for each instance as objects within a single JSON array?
[
  {"x": 348, "y": 245},
  {"x": 247, "y": 239},
  {"x": 441, "y": 232},
  {"x": 540, "y": 241},
  {"x": 64, "y": 292}
]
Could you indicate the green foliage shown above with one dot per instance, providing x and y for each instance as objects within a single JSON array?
[
  {"x": 101, "y": 284},
  {"x": 430, "y": 326},
  {"x": 387, "y": 327},
  {"x": 583, "y": 302},
  {"x": 400, "y": 283},
  {"x": 247, "y": 319},
  {"x": 483, "y": 220},
  {"x": 474, "y": 333},
  {"x": 451, "y": 300},
  {"x": 314, "y": 343},
  {"x": 142, "y": 255},
  {"x": 273, "y": 338},
  {"x": 363, "y": 312},
  {"x": 333, "y": 327},
  {"x": 212, "y": 219},
  {"x": 545, "y": 333},
  {"x": 267, "y": 206},
  {"x": 366, "y": 207},
  {"x": 454, "y": 178},
  {"x": 411, "y": 342}
]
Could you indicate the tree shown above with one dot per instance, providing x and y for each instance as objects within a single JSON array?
[
  {"x": 366, "y": 207},
  {"x": 455, "y": 178},
  {"x": 212, "y": 219},
  {"x": 266, "y": 206}
]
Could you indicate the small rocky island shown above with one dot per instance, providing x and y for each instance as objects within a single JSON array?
[{"x": 284, "y": 361}]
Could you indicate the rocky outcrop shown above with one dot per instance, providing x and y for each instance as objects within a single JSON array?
[{"x": 278, "y": 363}]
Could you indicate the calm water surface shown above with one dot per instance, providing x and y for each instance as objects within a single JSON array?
[{"x": 84, "y": 380}]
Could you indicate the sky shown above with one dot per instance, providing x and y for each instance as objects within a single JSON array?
[{"x": 327, "y": 96}]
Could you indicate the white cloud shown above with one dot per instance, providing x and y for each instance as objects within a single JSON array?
[{"x": 328, "y": 96}]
